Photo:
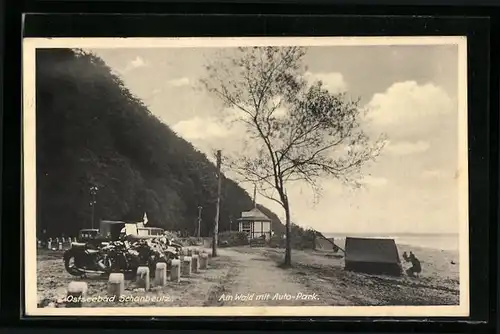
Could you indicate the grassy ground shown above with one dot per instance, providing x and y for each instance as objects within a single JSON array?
[{"x": 244, "y": 276}]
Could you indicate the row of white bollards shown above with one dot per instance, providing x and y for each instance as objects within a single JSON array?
[
  {"x": 52, "y": 244},
  {"x": 62, "y": 239},
  {"x": 116, "y": 282},
  {"x": 56, "y": 243}
]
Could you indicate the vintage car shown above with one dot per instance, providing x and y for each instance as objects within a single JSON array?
[
  {"x": 117, "y": 230},
  {"x": 119, "y": 246},
  {"x": 110, "y": 230},
  {"x": 86, "y": 235},
  {"x": 150, "y": 231}
]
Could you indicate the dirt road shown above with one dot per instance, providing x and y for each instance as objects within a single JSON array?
[
  {"x": 245, "y": 276},
  {"x": 256, "y": 280}
]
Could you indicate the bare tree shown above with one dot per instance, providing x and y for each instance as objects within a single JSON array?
[{"x": 302, "y": 131}]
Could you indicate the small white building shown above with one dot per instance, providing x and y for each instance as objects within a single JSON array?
[{"x": 255, "y": 224}]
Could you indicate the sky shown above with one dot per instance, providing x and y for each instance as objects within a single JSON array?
[{"x": 410, "y": 92}]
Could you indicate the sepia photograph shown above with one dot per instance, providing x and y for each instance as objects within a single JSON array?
[{"x": 269, "y": 176}]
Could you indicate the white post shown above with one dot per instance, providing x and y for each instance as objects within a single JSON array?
[
  {"x": 203, "y": 261},
  {"x": 161, "y": 274},
  {"x": 194, "y": 263},
  {"x": 175, "y": 271},
  {"x": 186, "y": 266},
  {"x": 116, "y": 285},
  {"x": 76, "y": 291},
  {"x": 142, "y": 278}
]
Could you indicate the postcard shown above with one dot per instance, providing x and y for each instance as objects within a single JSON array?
[{"x": 269, "y": 176}]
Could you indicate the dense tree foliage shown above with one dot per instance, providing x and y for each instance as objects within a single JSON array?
[
  {"x": 302, "y": 131},
  {"x": 92, "y": 131}
]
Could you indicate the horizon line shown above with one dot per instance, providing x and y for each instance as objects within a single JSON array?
[{"x": 392, "y": 233}]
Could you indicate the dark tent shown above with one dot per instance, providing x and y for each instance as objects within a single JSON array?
[{"x": 373, "y": 256}]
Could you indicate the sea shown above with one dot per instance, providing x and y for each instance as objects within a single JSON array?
[{"x": 435, "y": 241}]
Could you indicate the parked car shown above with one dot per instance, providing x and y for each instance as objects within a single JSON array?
[
  {"x": 87, "y": 234},
  {"x": 150, "y": 231},
  {"x": 115, "y": 230}
]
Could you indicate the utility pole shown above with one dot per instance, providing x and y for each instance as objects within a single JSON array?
[
  {"x": 254, "y": 196},
  {"x": 199, "y": 220},
  {"x": 93, "y": 192},
  {"x": 217, "y": 214}
]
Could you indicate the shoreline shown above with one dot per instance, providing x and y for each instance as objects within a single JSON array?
[
  {"x": 436, "y": 242},
  {"x": 436, "y": 263},
  {"x": 244, "y": 270}
]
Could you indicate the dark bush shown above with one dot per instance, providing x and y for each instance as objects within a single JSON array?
[
  {"x": 233, "y": 238},
  {"x": 301, "y": 239},
  {"x": 190, "y": 241}
]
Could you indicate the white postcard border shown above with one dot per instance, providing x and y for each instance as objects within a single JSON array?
[{"x": 29, "y": 175}]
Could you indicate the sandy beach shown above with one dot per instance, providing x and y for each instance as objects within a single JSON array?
[
  {"x": 436, "y": 263},
  {"x": 251, "y": 272}
]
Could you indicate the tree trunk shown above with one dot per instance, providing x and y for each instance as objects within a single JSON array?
[
  {"x": 217, "y": 214},
  {"x": 288, "y": 241}
]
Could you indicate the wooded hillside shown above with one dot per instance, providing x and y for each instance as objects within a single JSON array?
[{"x": 92, "y": 131}]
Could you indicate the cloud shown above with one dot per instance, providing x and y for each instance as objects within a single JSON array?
[
  {"x": 406, "y": 148},
  {"x": 409, "y": 104},
  {"x": 179, "y": 82},
  {"x": 135, "y": 63},
  {"x": 333, "y": 81},
  {"x": 280, "y": 111},
  {"x": 436, "y": 174},
  {"x": 201, "y": 128},
  {"x": 373, "y": 181}
]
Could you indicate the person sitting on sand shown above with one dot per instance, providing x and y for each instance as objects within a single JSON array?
[{"x": 416, "y": 268}]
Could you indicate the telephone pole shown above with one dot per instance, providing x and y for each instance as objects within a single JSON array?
[
  {"x": 255, "y": 196},
  {"x": 93, "y": 202},
  {"x": 199, "y": 220},
  {"x": 217, "y": 214}
]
